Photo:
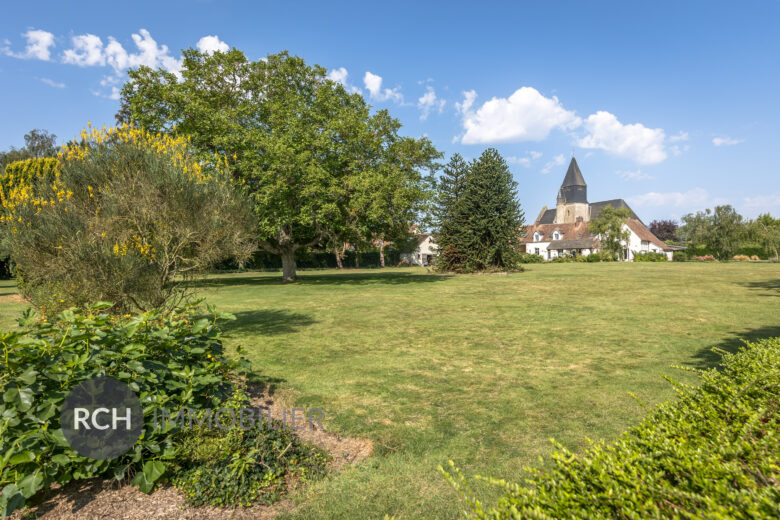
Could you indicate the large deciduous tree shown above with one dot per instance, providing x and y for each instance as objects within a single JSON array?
[
  {"x": 721, "y": 230},
  {"x": 318, "y": 166},
  {"x": 766, "y": 230},
  {"x": 610, "y": 227},
  {"x": 664, "y": 229}
]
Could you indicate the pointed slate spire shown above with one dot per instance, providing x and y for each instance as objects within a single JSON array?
[
  {"x": 573, "y": 175},
  {"x": 573, "y": 189}
]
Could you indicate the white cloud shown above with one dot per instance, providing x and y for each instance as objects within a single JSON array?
[
  {"x": 340, "y": 75},
  {"x": 87, "y": 51},
  {"x": 52, "y": 83},
  {"x": 526, "y": 160},
  {"x": 522, "y": 161},
  {"x": 762, "y": 204},
  {"x": 726, "y": 141},
  {"x": 680, "y": 136},
  {"x": 211, "y": 44},
  {"x": 429, "y": 102},
  {"x": 468, "y": 101},
  {"x": 526, "y": 115},
  {"x": 633, "y": 175},
  {"x": 691, "y": 200},
  {"x": 38, "y": 46},
  {"x": 373, "y": 84},
  {"x": 635, "y": 141},
  {"x": 558, "y": 160}
]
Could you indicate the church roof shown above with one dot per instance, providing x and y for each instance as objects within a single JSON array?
[
  {"x": 595, "y": 207},
  {"x": 548, "y": 217},
  {"x": 573, "y": 175}
]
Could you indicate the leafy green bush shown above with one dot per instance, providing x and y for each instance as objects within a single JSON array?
[
  {"x": 170, "y": 362},
  {"x": 601, "y": 256},
  {"x": 679, "y": 256},
  {"x": 650, "y": 256},
  {"x": 530, "y": 258},
  {"x": 748, "y": 250},
  {"x": 244, "y": 467},
  {"x": 563, "y": 259},
  {"x": 129, "y": 218},
  {"x": 714, "y": 453}
]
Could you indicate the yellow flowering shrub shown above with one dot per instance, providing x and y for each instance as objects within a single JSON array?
[{"x": 121, "y": 215}]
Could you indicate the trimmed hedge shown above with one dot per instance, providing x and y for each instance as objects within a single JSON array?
[
  {"x": 309, "y": 259},
  {"x": 650, "y": 256},
  {"x": 713, "y": 453}
]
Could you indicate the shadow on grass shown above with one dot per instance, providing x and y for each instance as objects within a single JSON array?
[
  {"x": 706, "y": 358},
  {"x": 768, "y": 287},
  {"x": 267, "y": 322},
  {"x": 313, "y": 278}
]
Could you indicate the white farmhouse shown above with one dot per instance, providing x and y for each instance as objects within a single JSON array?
[
  {"x": 564, "y": 230},
  {"x": 424, "y": 253}
]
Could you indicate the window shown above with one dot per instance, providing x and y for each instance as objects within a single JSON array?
[
  {"x": 537, "y": 237},
  {"x": 556, "y": 235},
  {"x": 536, "y": 250}
]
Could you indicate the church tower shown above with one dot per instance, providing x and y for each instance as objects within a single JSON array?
[{"x": 572, "y": 197}]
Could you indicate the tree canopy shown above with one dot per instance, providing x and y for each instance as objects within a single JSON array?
[
  {"x": 480, "y": 218},
  {"x": 37, "y": 143},
  {"x": 316, "y": 163},
  {"x": 722, "y": 230},
  {"x": 664, "y": 229},
  {"x": 609, "y": 226}
]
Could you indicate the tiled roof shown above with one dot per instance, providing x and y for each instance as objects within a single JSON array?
[
  {"x": 645, "y": 234},
  {"x": 595, "y": 207},
  {"x": 571, "y": 231}
]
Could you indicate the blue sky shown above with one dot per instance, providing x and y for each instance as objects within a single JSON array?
[{"x": 672, "y": 106}]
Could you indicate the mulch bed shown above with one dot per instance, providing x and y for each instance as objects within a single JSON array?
[{"x": 108, "y": 499}]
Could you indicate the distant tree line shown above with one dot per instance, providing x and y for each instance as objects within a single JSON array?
[{"x": 722, "y": 232}]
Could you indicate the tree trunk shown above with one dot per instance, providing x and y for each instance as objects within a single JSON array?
[
  {"x": 357, "y": 259},
  {"x": 338, "y": 258},
  {"x": 288, "y": 265},
  {"x": 381, "y": 253}
]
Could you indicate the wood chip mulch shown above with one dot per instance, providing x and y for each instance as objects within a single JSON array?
[{"x": 107, "y": 499}]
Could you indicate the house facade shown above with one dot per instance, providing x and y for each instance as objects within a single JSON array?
[
  {"x": 563, "y": 231},
  {"x": 425, "y": 252}
]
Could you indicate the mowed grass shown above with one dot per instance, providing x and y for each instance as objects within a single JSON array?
[{"x": 480, "y": 369}]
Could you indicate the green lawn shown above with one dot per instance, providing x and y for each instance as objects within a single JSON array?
[{"x": 481, "y": 369}]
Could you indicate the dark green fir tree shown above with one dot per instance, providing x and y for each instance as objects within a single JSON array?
[
  {"x": 492, "y": 215},
  {"x": 450, "y": 223}
]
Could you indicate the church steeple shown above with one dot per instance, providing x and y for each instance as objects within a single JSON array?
[
  {"x": 573, "y": 189},
  {"x": 573, "y": 175}
]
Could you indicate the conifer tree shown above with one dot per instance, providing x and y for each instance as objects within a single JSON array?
[
  {"x": 450, "y": 224},
  {"x": 492, "y": 215}
]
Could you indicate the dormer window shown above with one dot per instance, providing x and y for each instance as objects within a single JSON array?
[
  {"x": 537, "y": 237},
  {"x": 556, "y": 235}
]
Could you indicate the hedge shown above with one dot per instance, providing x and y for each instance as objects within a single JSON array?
[
  {"x": 312, "y": 259},
  {"x": 713, "y": 453}
]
